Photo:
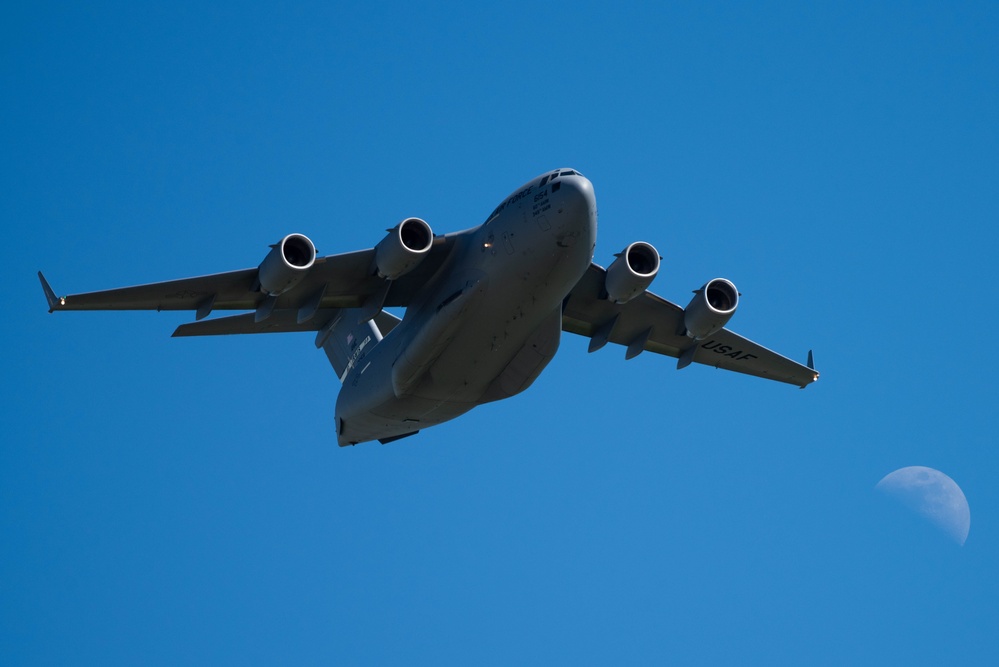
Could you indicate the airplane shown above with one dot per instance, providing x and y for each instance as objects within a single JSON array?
[{"x": 484, "y": 309}]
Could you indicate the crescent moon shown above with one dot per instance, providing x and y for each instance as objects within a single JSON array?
[{"x": 932, "y": 494}]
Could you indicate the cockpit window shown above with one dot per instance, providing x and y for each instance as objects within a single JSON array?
[{"x": 550, "y": 178}]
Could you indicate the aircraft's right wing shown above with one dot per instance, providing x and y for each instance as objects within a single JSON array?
[
  {"x": 650, "y": 322},
  {"x": 337, "y": 281}
]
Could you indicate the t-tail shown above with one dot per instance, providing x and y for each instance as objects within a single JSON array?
[{"x": 347, "y": 341}]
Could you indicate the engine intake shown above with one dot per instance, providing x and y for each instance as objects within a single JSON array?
[
  {"x": 632, "y": 272},
  {"x": 406, "y": 245},
  {"x": 286, "y": 264},
  {"x": 711, "y": 308}
]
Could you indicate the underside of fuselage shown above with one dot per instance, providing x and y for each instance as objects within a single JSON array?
[{"x": 486, "y": 324}]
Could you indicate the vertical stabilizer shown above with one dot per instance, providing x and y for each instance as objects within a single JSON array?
[{"x": 346, "y": 341}]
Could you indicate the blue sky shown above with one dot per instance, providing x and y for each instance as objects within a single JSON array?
[{"x": 183, "y": 501}]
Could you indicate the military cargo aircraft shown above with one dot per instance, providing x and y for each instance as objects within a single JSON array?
[{"x": 484, "y": 309}]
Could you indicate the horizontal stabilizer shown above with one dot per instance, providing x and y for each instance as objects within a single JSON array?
[
  {"x": 386, "y": 441},
  {"x": 281, "y": 321}
]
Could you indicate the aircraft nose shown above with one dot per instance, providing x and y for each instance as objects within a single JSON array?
[{"x": 578, "y": 203}]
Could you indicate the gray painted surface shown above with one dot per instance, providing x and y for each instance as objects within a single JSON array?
[{"x": 485, "y": 309}]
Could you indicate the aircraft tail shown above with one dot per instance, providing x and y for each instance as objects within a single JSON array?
[{"x": 346, "y": 341}]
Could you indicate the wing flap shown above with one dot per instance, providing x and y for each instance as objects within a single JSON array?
[{"x": 586, "y": 311}]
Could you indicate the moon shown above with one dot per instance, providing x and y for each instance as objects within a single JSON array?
[{"x": 932, "y": 494}]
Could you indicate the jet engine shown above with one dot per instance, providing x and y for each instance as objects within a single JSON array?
[
  {"x": 405, "y": 246},
  {"x": 286, "y": 264},
  {"x": 711, "y": 308},
  {"x": 632, "y": 272}
]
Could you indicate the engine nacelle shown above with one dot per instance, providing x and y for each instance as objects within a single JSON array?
[
  {"x": 406, "y": 245},
  {"x": 286, "y": 264},
  {"x": 632, "y": 272},
  {"x": 711, "y": 308}
]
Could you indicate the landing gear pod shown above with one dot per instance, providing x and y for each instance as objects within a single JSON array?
[
  {"x": 405, "y": 246},
  {"x": 711, "y": 308},
  {"x": 632, "y": 272},
  {"x": 286, "y": 264}
]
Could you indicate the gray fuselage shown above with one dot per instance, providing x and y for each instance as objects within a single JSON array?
[{"x": 486, "y": 324}]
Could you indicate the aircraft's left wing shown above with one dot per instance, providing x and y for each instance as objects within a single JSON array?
[{"x": 652, "y": 323}]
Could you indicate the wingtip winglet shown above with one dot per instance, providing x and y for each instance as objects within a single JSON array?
[
  {"x": 53, "y": 300},
  {"x": 811, "y": 367}
]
